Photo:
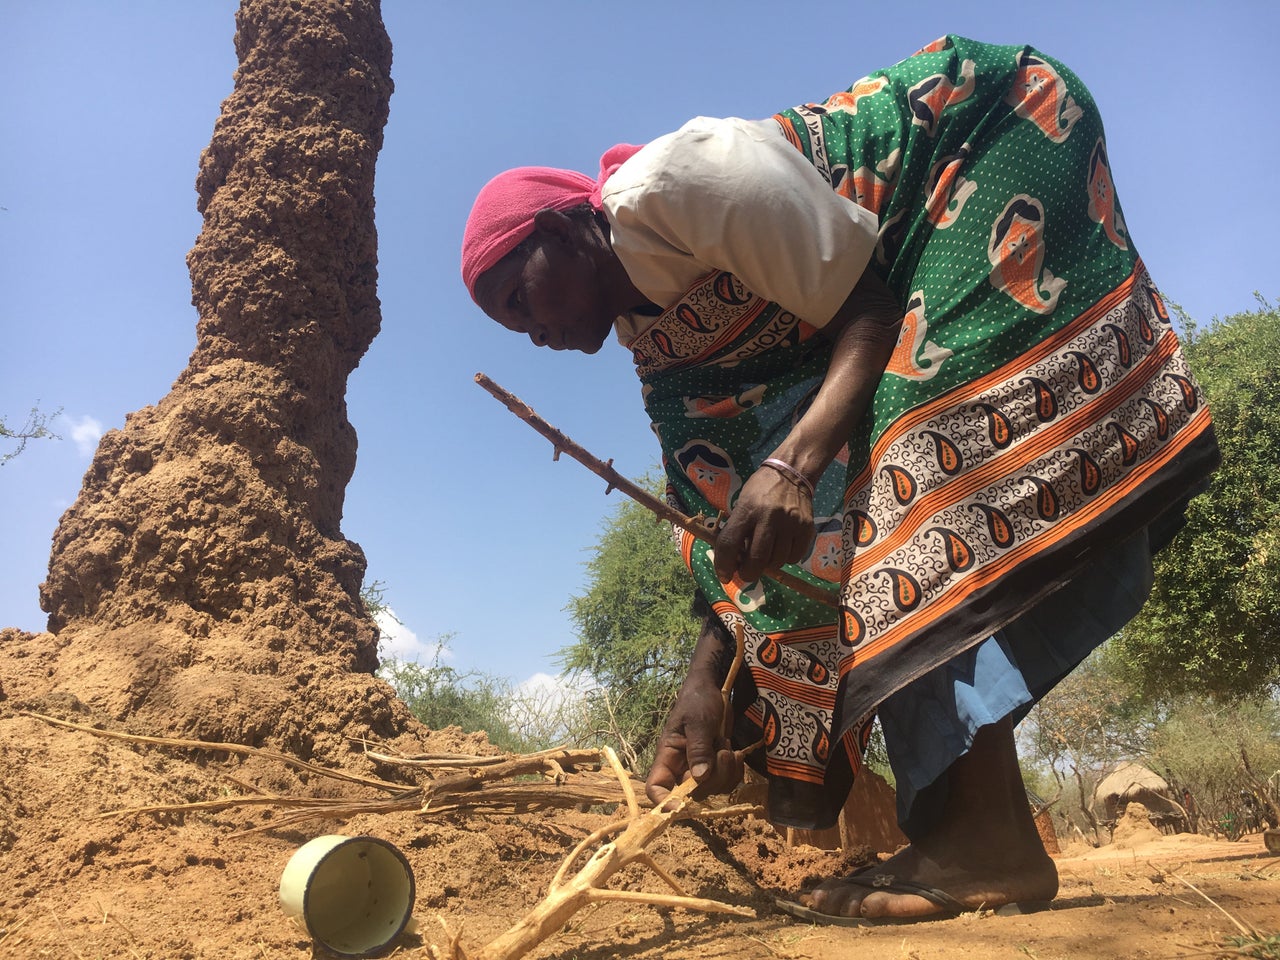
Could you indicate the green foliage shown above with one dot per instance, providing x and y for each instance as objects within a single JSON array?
[
  {"x": 1258, "y": 945},
  {"x": 36, "y": 427},
  {"x": 1212, "y": 624},
  {"x": 517, "y": 719},
  {"x": 374, "y": 597},
  {"x": 441, "y": 696},
  {"x": 1090, "y": 720},
  {"x": 1226, "y": 755},
  {"x": 1084, "y": 728},
  {"x": 636, "y": 632}
]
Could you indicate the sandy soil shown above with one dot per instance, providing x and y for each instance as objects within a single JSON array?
[{"x": 76, "y": 884}]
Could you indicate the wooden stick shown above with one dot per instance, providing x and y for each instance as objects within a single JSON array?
[
  {"x": 700, "y": 526},
  {"x": 589, "y": 840},
  {"x": 467, "y": 760},
  {"x": 666, "y": 900},
  {"x": 672, "y": 882},
  {"x": 435, "y": 762},
  {"x": 498, "y": 799},
  {"x": 459, "y": 793},
  {"x": 510, "y": 767},
  {"x": 633, "y": 808},
  {"x": 236, "y": 748},
  {"x": 726, "y": 689}
]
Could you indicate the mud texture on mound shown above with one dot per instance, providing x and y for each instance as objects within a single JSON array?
[{"x": 201, "y": 585}]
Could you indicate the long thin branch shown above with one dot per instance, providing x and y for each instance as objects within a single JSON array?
[
  {"x": 464, "y": 791},
  {"x": 494, "y": 799},
  {"x": 726, "y": 690},
  {"x": 1245, "y": 929},
  {"x": 628, "y": 791},
  {"x": 510, "y": 767},
  {"x": 234, "y": 748},
  {"x": 463, "y": 760},
  {"x": 667, "y": 900},
  {"x": 700, "y": 526}
]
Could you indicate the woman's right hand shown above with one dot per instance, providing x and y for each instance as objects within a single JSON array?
[
  {"x": 771, "y": 524},
  {"x": 691, "y": 744}
]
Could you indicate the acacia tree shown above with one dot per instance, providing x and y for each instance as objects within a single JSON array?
[
  {"x": 1082, "y": 730},
  {"x": 636, "y": 631},
  {"x": 1212, "y": 625}
]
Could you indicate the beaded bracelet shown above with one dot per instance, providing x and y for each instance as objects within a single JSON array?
[{"x": 787, "y": 470}]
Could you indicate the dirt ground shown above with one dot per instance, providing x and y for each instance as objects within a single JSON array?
[{"x": 79, "y": 885}]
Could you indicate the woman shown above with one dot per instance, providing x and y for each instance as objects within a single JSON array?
[{"x": 902, "y": 339}]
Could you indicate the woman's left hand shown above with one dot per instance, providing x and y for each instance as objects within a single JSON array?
[{"x": 771, "y": 524}]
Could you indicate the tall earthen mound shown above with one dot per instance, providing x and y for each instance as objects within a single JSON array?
[{"x": 201, "y": 584}]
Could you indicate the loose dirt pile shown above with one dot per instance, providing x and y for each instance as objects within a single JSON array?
[{"x": 1134, "y": 828}]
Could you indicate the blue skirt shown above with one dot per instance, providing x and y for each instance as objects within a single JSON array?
[{"x": 931, "y": 722}]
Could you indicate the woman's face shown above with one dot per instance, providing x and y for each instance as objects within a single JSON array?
[{"x": 551, "y": 287}]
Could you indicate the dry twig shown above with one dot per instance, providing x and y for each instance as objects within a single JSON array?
[
  {"x": 567, "y": 895},
  {"x": 1244, "y": 928},
  {"x": 233, "y": 748},
  {"x": 467, "y": 788}
]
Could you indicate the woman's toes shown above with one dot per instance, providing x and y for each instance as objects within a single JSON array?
[
  {"x": 883, "y": 905},
  {"x": 835, "y": 898}
]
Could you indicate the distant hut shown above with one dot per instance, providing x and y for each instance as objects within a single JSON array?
[{"x": 1132, "y": 782}]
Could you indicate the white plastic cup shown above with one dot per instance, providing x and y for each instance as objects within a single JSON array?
[{"x": 354, "y": 895}]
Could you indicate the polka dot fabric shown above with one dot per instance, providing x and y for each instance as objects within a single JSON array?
[{"x": 1037, "y": 406}]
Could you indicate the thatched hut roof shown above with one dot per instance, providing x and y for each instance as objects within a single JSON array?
[
  {"x": 1133, "y": 782},
  {"x": 1130, "y": 779}
]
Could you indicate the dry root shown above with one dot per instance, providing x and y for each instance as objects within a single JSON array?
[{"x": 571, "y": 778}]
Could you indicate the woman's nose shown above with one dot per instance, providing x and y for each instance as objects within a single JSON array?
[{"x": 539, "y": 336}]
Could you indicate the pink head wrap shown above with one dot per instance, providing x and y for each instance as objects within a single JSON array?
[{"x": 503, "y": 213}]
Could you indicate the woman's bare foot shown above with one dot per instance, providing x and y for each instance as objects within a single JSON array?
[
  {"x": 983, "y": 853},
  {"x": 973, "y": 883}
]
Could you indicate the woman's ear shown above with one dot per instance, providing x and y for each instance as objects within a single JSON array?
[{"x": 554, "y": 223}]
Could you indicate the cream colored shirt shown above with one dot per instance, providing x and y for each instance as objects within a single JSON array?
[{"x": 730, "y": 194}]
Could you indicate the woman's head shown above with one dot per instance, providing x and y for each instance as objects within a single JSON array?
[
  {"x": 536, "y": 255},
  {"x": 503, "y": 213},
  {"x": 559, "y": 285}
]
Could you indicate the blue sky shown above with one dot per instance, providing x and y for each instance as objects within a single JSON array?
[{"x": 105, "y": 107}]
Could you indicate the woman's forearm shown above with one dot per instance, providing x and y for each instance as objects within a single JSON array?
[
  {"x": 865, "y": 332},
  {"x": 713, "y": 654},
  {"x": 772, "y": 521}
]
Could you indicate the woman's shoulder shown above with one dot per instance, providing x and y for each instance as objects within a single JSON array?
[{"x": 698, "y": 153}]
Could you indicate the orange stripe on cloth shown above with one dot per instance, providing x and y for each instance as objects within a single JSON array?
[
  {"x": 824, "y": 631},
  {"x": 953, "y": 396},
  {"x": 727, "y": 335},
  {"x": 795, "y": 771},
  {"x": 990, "y": 572},
  {"x": 798, "y": 691},
  {"x": 1018, "y": 456}
]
